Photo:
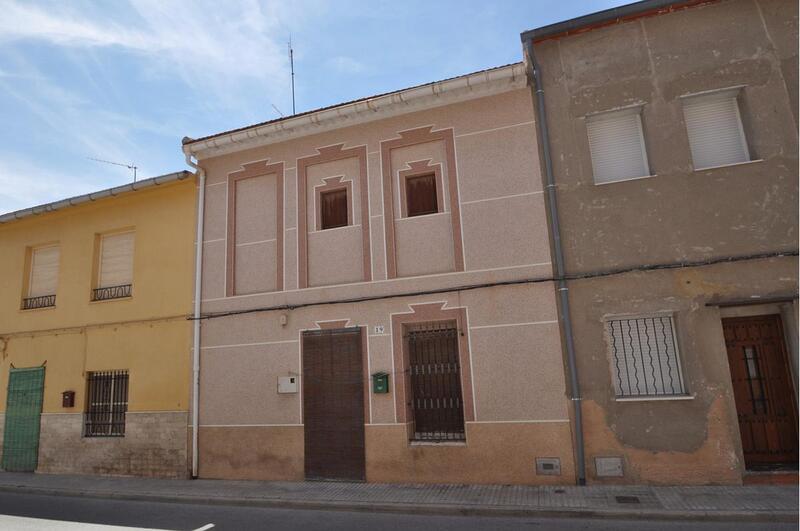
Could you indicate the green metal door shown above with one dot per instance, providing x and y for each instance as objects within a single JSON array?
[{"x": 23, "y": 409}]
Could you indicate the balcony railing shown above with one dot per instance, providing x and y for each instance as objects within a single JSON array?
[
  {"x": 31, "y": 303},
  {"x": 111, "y": 292}
]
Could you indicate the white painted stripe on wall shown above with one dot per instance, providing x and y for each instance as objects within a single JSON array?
[
  {"x": 209, "y": 347},
  {"x": 482, "y": 131},
  {"x": 530, "y": 323},
  {"x": 399, "y": 279},
  {"x": 500, "y": 197},
  {"x": 216, "y": 184},
  {"x": 213, "y": 241},
  {"x": 256, "y": 243}
]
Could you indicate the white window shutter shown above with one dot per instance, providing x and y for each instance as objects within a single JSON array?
[
  {"x": 44, "y": 271},
  {"x": 116, "y": 260},
  {"x": 714, "y": 127},
  {"x": 617, "y": 146}
]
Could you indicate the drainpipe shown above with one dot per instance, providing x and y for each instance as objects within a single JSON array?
[
  {"x": 198, "y": 278},
  {"x": 534, "y": 72}
]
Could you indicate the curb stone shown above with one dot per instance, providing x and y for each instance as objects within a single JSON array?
[{"x": 430, "y": 509}]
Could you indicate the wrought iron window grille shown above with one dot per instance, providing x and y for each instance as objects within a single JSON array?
[
  {"x": 107, "y": 404},
  {"x": 43, "y": 301},
  {"x": 112, "y": 292},
  {"x": 644, "y": 357},
  {"x": 434, "y": 373}
]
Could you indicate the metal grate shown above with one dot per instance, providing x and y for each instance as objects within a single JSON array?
[
  {"x": 435, "y": 377},
  {"x": 31, "y": 303},
  {"x": 107, "y": 404},
  {"x": 111, "y": 292},
  {"x": 645, "y": 357}
]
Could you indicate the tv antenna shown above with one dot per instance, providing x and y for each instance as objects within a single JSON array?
[
  {"x": 277, "y": 110},
  {"x": 131, "y": 166},
  {"x": 291, "y": 64}
]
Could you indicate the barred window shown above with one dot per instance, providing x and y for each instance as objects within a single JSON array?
[
  {"x": 435, "y": 377},
  {"x": 106, "y": 404},
  {"x": 644, "y": 357}
]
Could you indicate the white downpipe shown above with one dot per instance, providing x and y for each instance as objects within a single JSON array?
[{"x": 198, "y": 283}]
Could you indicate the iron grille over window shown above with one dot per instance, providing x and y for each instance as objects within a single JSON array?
[
  {"x": 421, "y": 195},
  {"x": 107, "y": 404},
  {"x": 333, "y": 209},
  {"x": 111, "y": 292},
  {"x": 435, "y": 377},
  {"x": 44, "y": 301},
  {"x": 644, "y": 357}
]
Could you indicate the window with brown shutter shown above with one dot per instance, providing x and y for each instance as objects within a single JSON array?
[
  {"x": 333, "y": 209},
  {"x": 421, "y": 195}
]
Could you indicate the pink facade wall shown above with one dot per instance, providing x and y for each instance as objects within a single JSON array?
[{"x": 491, "y": 228}]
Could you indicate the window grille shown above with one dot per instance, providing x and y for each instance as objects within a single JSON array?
[
  {"x": 644, "y": 357},
  {"x": 435, "y": 377},
  {"x": 111, "y": 292},
  {"x": 107, "y": 404},
  {"x": 616, "y": 145},
  {"x": 715, "y": 131},
  {"x": 421, "y": 195},
  {"x": 333, "y": 209}
]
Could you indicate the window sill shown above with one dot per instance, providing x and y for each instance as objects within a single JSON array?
[
  {"x": 51, "y": 307},
  {"x": 625, "y": 180},
  {"x": 654, "y": 398},
  {"x": 421, "y": 216},
  {"x": 100, "y": 301},
  {"x": 729, "y": 165},
  {"x": 437, "y": 443}
]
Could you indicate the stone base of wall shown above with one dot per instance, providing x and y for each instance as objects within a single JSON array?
[
  {"x": 494, "y": 453},
  {"x": 154, "y": 445}
]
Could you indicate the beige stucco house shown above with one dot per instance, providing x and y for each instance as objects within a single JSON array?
[
  {"x": 376, "y": 296},
  {"x": 672, "y": 141}
]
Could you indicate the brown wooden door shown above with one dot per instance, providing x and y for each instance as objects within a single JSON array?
[
  {"x": 763, "y": 390},
  {"x": 333, "y": 404}
]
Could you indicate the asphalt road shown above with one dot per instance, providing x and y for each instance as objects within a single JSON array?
[{"x": 176, "y": 516}]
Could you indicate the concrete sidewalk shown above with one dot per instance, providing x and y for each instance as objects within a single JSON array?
[{"x": 747, "y": 503}]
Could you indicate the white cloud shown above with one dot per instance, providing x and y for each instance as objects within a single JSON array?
[
  {"x": 346, "y": 65},
  {"x": 216, "y": 47}
]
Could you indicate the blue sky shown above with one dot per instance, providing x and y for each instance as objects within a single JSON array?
[{"x": 125, "y": 80}]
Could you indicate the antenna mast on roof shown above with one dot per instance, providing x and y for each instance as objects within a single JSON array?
[
  {"x": 130, "y": 166},
  {"x": 291, "y": 64}
]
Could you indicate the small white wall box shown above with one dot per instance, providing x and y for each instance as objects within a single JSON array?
[
  {"x": 287, "y": 384},
  {"x": 548, "y": 466},
  {"x": 608, "y": 467}
]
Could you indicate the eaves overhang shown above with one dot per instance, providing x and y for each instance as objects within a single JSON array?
[
  {"x": 95, "y": 196},
  {"x": 607, "y": 17},
  {"x": 448, "y": 91}
]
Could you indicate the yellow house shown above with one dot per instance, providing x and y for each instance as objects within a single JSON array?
[{"x": 95, "y": 345}]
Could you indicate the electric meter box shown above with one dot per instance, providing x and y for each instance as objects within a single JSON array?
[{"x": 287, "y": 384}]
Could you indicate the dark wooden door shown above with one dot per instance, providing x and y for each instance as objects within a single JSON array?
[
  {"x": 333, "y": 404},
  {"x": 763, "y": 390}
]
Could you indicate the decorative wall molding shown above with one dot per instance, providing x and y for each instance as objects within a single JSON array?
[
  {"x": 260, "y": 168},
  {"x": 411, "y": 137},
  {"x": 331, "y": 154}
]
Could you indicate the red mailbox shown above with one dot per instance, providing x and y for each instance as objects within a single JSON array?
[{"x": 68, "y": 399}]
